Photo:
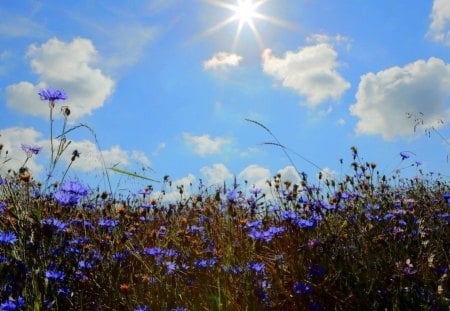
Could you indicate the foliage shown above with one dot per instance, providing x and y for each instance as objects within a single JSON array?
[{"x": 364, "y": 242}]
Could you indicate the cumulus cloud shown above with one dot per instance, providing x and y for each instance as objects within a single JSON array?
[
  {"x": 311, "y": 72},
  {"x": 205, "y": 145},
  {"x": 216, "y": 174},
  {"x": 65, "y": 66},
  {"x": 172, "y": 193},
  {"x": 12, "y": 139},
  {"x": 255, "y": 175},
  {"x": 90, "y": 157},
  {"x": 383, "y": 98},
  {"x": 289, "y": 173},
  {"x": 440, "y": 22},
  {"x": 222, "y": 60}
]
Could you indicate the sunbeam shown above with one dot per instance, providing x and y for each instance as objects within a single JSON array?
[{"x": 245, "y": 13}]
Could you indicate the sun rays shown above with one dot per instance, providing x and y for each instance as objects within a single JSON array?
[{"x": 245, "y": 14}]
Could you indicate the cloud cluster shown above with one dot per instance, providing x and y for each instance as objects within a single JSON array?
[
  {"x": 222, "y": 60},
  {"x": 383, "y": 98},
  {"x": 205, "y": 145},
  {"x": 216, "y": 174},
  {"x": 440, "y": 22},
  {"x": 12, "y": 139},
  {"x": 65, "y": 66},
  {"x": 90, "y": 157},
  {"x": 311, "y": 72}
]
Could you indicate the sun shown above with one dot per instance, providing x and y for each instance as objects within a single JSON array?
[{"x": 245, "y": 13}]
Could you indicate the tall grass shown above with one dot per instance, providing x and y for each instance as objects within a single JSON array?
[{"x": 366, "y": 242}]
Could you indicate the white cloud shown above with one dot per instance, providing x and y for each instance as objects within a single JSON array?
[
  {"x": 12, "y": 139},
  {"x": 89, "y": 160},
  {"x": 172, "y": 194},
  {"x": 324, "y": 38},
  {"x": 440, "y": 22},
  {"x": 204, "y": 145},
  {"x": 385, "y": 97},
  {"x": 64, "y": 66},
  {"x": 90, "y": 157},
  {"x": 222, "y": 60},
  {"x": 328, "y": 173},
  {"x": 311, "y": 72},
  {"x": 289, "y": 173},
  {"x": 216, "y": 174},
  {"x": 255, "y": 175}
]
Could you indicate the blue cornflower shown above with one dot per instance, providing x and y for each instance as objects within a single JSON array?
[
  {"x": 56, "y": 223},
  {"x": 404, "y": 155},
  {"x": 233, "y": 195},
  {"x": 84, "y": 223},
  {"x": 254, "y": 224},
  {"x": 7, "y": 237},
  {"x": 153, "y": 251},
  {"x": 301, "y": 288},
  {"x": 75, "y": 187},
  {"x": 315, "y": 271},
  {"x": 30, "y": 150},
  {"x": 179, "y": 309},
  {"x": 54, "y": 275},
  {"x": 8, "y": 305},
  {"x": 86, "y": 265},
  {"x": 108, "y": 223},
  {"x": 171, "y": 266},
  {"x": 196, "y": 229},
  {"x": 120, "y": 256},
  {"x": 141, "y": 308},
  {"x": 2, "y": 206},
  {"x": 52, "y": 94},
  {"x": 447, "y": 197},
  {"x": 79, "y": 240},
  {"x": 305, "y": 223},
  {"x": 258, "y": 267},
  {"x": 205, "y": 263},
  {"x": 289, "y": 215},
  {"x": 70, "y": 193}
]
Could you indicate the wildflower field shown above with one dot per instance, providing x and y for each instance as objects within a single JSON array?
[{"x": 365, "y": 242}]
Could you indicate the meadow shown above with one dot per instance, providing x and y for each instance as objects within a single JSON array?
[{"x": 365, "y": 242}]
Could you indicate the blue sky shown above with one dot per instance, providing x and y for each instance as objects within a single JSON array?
[{"x": 167, "y": 85}]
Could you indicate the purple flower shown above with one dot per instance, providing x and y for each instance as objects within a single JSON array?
[
  {"x": 404, "y": 155},
  {"x": 305, "y": 223},
  {"x": 301, "y": 288},
  {"x": 30, "y": 150},
  {"x": 54, "y": 275},
  {"x": 258, "y": 267},
  {"x": 141, "y": 308},
  {"x": 153, "y": 251},
  {"x": 70, "y": 193},
  {"x": 52, "y": 94},
  {"x": 53, "y": 222},
  {"x": 7, "y": 237},
  {"x": 232, "y": 196},
  {"x": 2, "y": 206},
  {"x": 107, "y": 223}
]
